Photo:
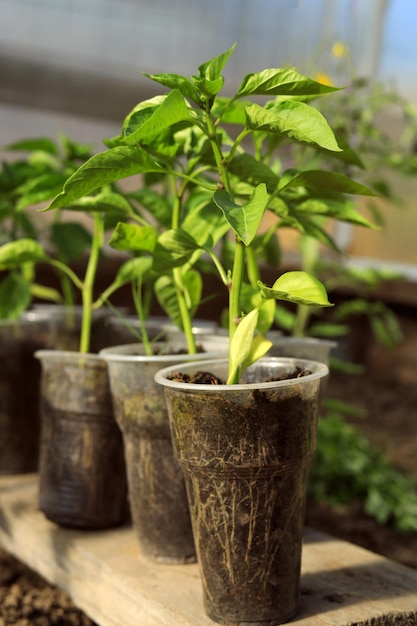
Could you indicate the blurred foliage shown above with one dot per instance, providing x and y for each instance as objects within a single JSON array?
[{"x": 347, "y": 467}]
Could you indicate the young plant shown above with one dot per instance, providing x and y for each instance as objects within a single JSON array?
[
  {"x": 214, "y": 145},
  {"x": 105, "y": 208},
  {"x": 27, "y": 180}
]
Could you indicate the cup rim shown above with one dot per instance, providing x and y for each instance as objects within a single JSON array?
[
  {"x": 70, "y": 355},
  {"x": 319, "y": 370},
  {"x": 120, "y": 354}
]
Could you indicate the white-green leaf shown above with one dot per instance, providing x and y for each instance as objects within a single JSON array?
[
  {"x": 244, "y": 219},
  {"x": 298, "y": 287},
  {"x": 240, "y": 345},
  {"x": 295, "y": 119},
  {"x": 259, "y": 347}
]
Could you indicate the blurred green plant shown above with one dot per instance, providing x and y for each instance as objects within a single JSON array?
[
  {"x": 347, "y": 467},
  {"x": 26, "y": 181}
]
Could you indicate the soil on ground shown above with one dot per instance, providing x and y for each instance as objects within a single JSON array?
[{"x": 390, "y": 423}]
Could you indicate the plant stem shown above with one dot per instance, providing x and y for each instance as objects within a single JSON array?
[
  {"x": 252, "y": 267},
  {"x": 184, "y": 311},
  {"x": 177, "y": 277},
  {"x": 88, "y": 285},
  {"x": 235, "y": 287},
  {"x": 309, "y": 255},
  {"x": 239, "y": 255},
  {"x": 301, "y": 319},
  {"x": 66, "y": 270},
  {"x": 67, "y": 292},
  {"x": 137, "y": 298}
]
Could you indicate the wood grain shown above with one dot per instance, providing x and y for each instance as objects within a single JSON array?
[{"x": 104, "y": 573}]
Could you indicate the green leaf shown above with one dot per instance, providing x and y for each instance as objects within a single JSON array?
[
  {"x": 176, "y": 81},
  {"x": 45, "y": 293},
  {"x": 167, "y": 295},
  {"x": 134, "y": 269},
  {"x": 250, "y": 170},
  {"x": 342, "y": 211},
  {"x": 211, "y": 70},
  {"x": 173, "y": 109},
  {"x": 244, "y": 219},
  {"x": 40, "y": 189},
  {"x": 348, "y": 155},
  {"x": 204, "y": 222},
  {"x": 156, "y": 204},
  {"x": 329, "y": 181},
  {"x": 75, "y": 150},
  {"x": 309, "y": 226},
  {"x": 230, "y": 111},
  {"x": 15, "y": 296},
  {"x": 386, "y": 328},
  {"x": 173, "y": 248},
  {"x": 43, "y": 144},
  {"x": 103, "y": 202},
  {"x": 298, "y": 287},
  {"x": 209, "y": 80},
  {"x": 251, "y": 298},
  {"x": 281, "y": 82},
  {"x": 14, "y": 253},
  {"x": 295, "y": 119},
  {"x": 24, "y": 225},
  {"x": 71, "y": 239},
  {"x": 284, "y": 318},
  {"x": 268, "y": 248},
  {"x": 102, "y": 169},
  {"x": 328, "y": 330},
  {"x": 133, "y": 238}
]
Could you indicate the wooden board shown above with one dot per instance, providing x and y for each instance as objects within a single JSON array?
[{"x": 104, "y": 573}]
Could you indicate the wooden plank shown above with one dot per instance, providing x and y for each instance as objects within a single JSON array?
[{"x": 104, "y": 573}]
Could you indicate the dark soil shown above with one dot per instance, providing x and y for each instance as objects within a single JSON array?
[
  {"x": 390, "y": 422},
  {"x": 206, "y": 378},
  {"x": 27, "y": 600}
]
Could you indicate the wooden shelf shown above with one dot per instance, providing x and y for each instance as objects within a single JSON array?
[{"x": 107, "y": 578}]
